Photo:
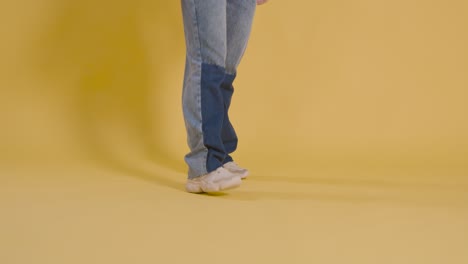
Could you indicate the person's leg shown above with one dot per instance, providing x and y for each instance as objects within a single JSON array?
[
  {"x": 202, "y": 99},
  {"x": 239, "y": 17}
]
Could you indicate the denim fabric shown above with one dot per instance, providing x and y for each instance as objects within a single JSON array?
[
  {"x": 216, "y": 35},
  {"x": 213, "y": 113},
  {"x": 228, "y": 134}
]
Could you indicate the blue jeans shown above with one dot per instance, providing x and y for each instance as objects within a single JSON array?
[{"x": 216, "y": 35}]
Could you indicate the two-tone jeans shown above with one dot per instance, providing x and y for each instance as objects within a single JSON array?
[{"x": 216, "y": 35}]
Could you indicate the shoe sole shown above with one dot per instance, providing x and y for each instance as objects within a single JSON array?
[
  {"x": 242, "y": 175},
  {"x": 227, "y": 184}
]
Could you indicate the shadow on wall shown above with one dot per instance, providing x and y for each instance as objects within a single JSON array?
[{"x": 113, "y": 83}]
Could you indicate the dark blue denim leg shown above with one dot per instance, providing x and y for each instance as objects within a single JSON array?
[
  {"x": 228, "y": 135},
  {"x": 213, "y": 113}
]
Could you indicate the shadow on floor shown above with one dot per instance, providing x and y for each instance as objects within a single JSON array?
[
  {"x": 112, "y": 81},
  {"x": 375, "y": 182},
  {"x": 414, "y": 192}
]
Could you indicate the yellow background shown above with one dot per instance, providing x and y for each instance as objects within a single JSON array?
[{"x": 352, "y": 117}]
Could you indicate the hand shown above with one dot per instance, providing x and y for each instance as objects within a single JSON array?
[{"x": 261, "y": 2}]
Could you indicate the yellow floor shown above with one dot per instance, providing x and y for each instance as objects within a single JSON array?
[
  {"x": 138, "y": 212},
  {"x": 352, "y": 117}
]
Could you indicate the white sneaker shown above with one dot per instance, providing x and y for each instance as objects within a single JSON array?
[
  {"x": 234, "y": 168},
  {"x": 215, "y": 181}
]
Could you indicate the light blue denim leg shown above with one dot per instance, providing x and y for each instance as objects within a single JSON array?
[
  {"x": 216, "y": 33},
  {"x": 205, "y": 36},
  {"x": 239, "y": 15}
]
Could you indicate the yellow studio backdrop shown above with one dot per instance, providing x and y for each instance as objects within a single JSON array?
[{"x": 352, "y": 116}]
